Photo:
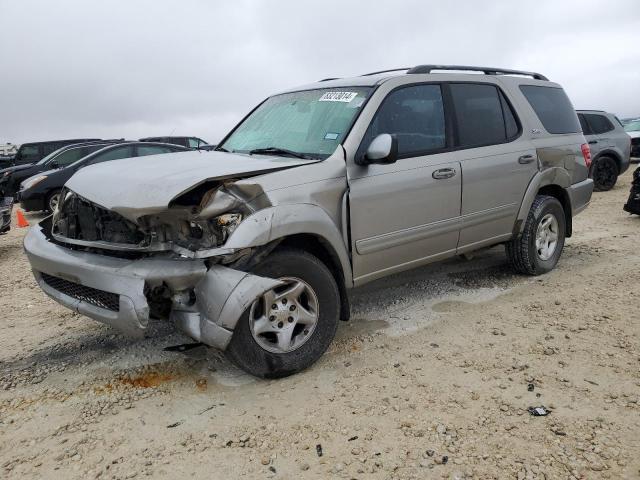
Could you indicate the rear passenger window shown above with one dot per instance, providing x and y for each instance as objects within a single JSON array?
[
  {"x": 583, "y": 123},
  {"x": 29, "y": 153},
  {"x": 479, "y": 115},
  {"x": 553, "y": 108},
  {"x": 113, "y": 154},
  {"x": 599, "y": 123},
  {"x": 415, "y": 115},
  {"x": 510, "y": 123}
]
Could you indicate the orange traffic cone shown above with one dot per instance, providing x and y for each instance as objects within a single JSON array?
[{"x": 22, "y": 222}]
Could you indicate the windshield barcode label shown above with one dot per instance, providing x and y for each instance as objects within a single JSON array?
[{"x": 338, "y": 97}]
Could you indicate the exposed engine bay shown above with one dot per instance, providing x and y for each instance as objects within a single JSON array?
[{"x": 199, "y": 220}]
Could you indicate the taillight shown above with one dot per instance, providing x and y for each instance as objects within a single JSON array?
[{"x": 586, "y": 153}]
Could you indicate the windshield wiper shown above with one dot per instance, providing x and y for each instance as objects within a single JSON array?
[{"x": 279, "y": 151}]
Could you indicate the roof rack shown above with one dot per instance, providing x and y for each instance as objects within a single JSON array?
[
  {"x": 485, "y": 70},
  {"x": 384, "y": 71},
  {"x": 327, "y": 79}
]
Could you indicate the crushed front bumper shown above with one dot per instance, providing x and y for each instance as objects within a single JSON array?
[{"x": 207, "y": 302}]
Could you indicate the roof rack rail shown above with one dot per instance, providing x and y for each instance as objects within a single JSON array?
[
  {"x": 327, "y": 79},
  {"x": 384, "y": 71},
  {"x": 485, "y": 70}
]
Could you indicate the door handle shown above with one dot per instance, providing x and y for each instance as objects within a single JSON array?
[
  {"x": 524, "y": 159},
  {"x": 593, "y": 142},
  {"x": 443, "y": 173}
]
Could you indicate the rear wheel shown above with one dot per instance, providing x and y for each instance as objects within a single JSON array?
[
  {"x": 604, "y": 173},
  {"x": 538, "y": 249},
  {"x": 52, "y": 201},
  {"x": 287, "y": 328}
]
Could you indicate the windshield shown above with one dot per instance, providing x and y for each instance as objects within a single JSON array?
[
  {"x": 311, "y": 122},
  {"x": 51, "y": 156},
  {"x": 633, "y": 126}
]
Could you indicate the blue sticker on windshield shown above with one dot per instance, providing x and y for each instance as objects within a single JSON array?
[{"x": 331, "y": 136}]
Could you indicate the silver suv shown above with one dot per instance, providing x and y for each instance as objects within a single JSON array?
[
  {"x": 253, "y": 248},
  {"x": 610, "y": 147}
]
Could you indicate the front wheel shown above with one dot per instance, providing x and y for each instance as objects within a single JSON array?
[
  {"x": 289, "y": 327},
  {"x": 538, "y": 249}
]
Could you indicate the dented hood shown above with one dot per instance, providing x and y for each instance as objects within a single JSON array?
[{"x": 144, "y": 185}]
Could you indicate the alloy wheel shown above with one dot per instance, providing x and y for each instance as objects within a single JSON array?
[
  {"x": 284, "y": 318},
  {"x": 547, "y": 236}
]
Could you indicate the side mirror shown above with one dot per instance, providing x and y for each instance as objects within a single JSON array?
[
  {"x": 54, "y": 165},
  {"x": 382, "y": 149}
]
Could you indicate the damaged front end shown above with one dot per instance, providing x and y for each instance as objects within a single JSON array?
[{"x": 122, "y": 267}]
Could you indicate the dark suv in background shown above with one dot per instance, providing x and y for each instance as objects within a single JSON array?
[
  {"x": 10, "y": 178},
  {"x": 189, "y": 142},
  {"x": 610, "y": 147},
  {"x": 36, "y": 151},
  {"x": 42, "y": 192}
]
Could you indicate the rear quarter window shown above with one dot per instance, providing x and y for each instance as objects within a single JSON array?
[
  {"x": 599, "y": 123},
  {"x": 553, "y": 108}
]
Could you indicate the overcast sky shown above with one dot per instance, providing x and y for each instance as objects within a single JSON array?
[{"x": 111, "y": 68}]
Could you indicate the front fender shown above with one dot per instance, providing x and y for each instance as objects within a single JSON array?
[{"x": 282, "y": 221}]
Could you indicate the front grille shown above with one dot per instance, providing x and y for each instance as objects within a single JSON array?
[{"x": 99, "y": 298}]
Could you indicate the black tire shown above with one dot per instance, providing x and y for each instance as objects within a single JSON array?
[
  {"x": 522, "y": 251},
  {"x": 246, "y": 353},
  {"x": 50, "y": 197},
  {"x": 604, "y": 172}
]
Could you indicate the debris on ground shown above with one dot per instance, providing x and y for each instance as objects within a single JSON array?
[{"x": 539, "y": 411}]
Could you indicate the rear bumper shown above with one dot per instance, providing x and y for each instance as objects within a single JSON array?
[
  {"x": 113, "y": 290},
  {"x": 580, "y": 195}
]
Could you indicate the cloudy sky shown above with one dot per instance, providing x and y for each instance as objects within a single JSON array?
[{"x": 112, "y": 68}]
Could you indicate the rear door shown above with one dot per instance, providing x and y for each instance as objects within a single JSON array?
[
  {"x": 589, "y": 136},
  {"x": 602, "y": 129},
  {"x": 406, "y": 213},
  {"x": 498, "y": 163}
]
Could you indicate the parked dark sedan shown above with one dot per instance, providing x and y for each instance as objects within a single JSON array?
[
  {"x": 42, "y": 192},
  {"x": 12, "y": 177}
]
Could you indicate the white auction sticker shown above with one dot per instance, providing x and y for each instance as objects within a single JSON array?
[{"x": 338, "y": 97}]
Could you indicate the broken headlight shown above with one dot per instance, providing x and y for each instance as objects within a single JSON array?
[
  {"x": 203, "y": 234},
  {"x": 227, "y": 224}
]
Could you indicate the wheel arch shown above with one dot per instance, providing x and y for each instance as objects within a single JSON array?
[
  {"x": 304, "y": 226},
  {"x": 609, "y": 152},
  {"x": 553, "y": 182},
  {"x": 321, "y": 249},
  {"x": 562, "y": 196}
]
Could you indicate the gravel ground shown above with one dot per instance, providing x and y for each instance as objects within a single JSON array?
[{"x": 432, "y": 378}]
